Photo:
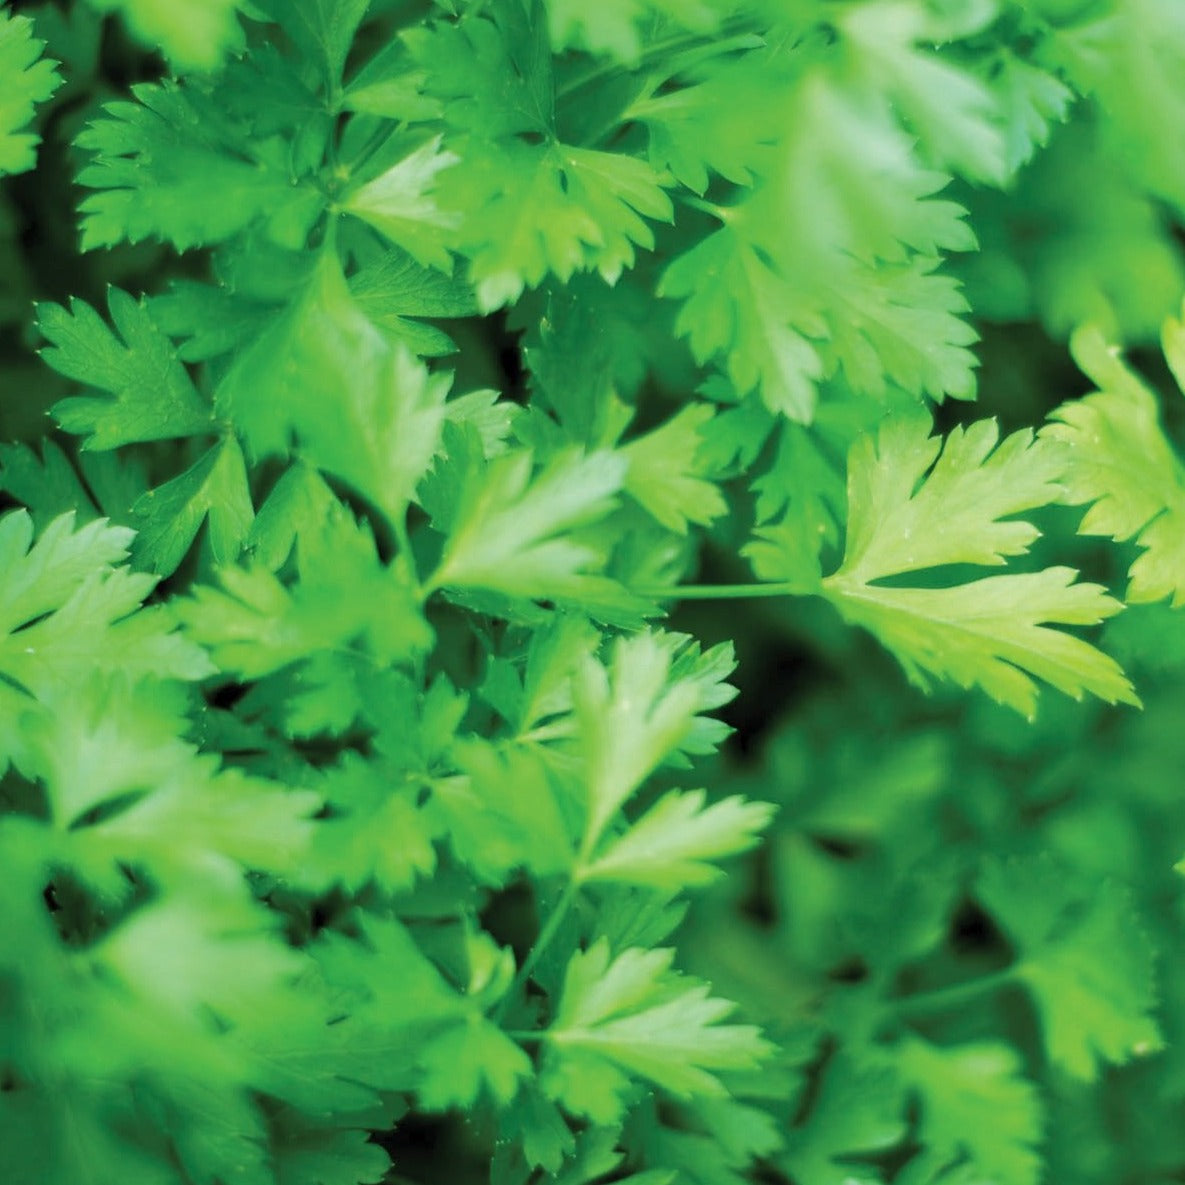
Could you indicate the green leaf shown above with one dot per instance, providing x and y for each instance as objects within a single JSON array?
[
  {"x": 1093, "y": 1010},
  {"x": 515, "y": 531},
  {"x": 310, "y": 1154},
  {"x": 953, "y": 114},
  {"x": 491, "y": 71},
  {"x": 857, "y": 1113},
  {"x": 504, "y": 813},
  {"x": 152, "y": 395},
  {"x": 158, "y": 161},
  {"x": 672, "y": 845},
  {"x": 736, "y": 304},
  {"x": 66, "y": 610},
  {"x": 530, "y": 210},
  {"x": 395, "y": 289},
  {"x": 457, "y": 1054},
  {"x": 915, "y": 506},
  {"x": 213, "y": 488},
  {"x": 1119, "y": 460},
  {"x": 360, "y": 407},
  {"x": 961, "y": 1084},
  {"x": 639, "y": 711},
  {"x": 118, "y": 775},
  {"x": 345, "y": 595},
  {"x": 400, "y": 204},
  {"x": 192, "y": 34},
  {"x": 630, "y": 1017},
  {"x": 298, "y": 505},
  {"x": 323, "y": 29},
  {"x": 38, "y": 578},
  {"x": 527, "y": 204},
  {"x": 535, "y": 1123},
  {"x": 29, "y": 79},
  {"x": 375, "y": 833},
  {"x": 617, "y": 28},
  {"x": 48, "y": 485},
  {"x": 206, "y": 948},
  {"x": 65, "y": 1137},
  {"x": 1032, "y": 99},
  {"x": 666, "y": 476}
]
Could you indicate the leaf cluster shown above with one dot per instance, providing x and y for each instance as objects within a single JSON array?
[{"x": 353, "y": 783}]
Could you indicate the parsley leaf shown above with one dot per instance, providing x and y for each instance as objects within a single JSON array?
[
  {"x": 641, "y": 709},
  {"x": 359, "y": 407},
  {"x": 667, "y": 476},
  {"x": 514, "y": 531},
  {"x": 619, "y": 28},
  {"x": 1091, "y": 1010},
  {"x": 157, "y": 160},
  {"x": 916, "y": 505},
  {"x": 30, "y": 79},
  {"x": 213, "y": 489},
  {"x": 958, "y": 1086},
  {"x": 671, "y": 845},
  {"x": 67, "y": 606},
  {"x": 153, "y": 395},
  {"x": 192, "y": 34},
  {"x": 256, "y": 625},
  {"x": 526, "y": 203},
  {"x": 1119, "y": 461},
  {"x": 631, "y": 1016}
]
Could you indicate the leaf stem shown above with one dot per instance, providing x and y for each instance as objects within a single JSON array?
[
  {"x": 546, "y": 934},
  {"x": 559, "y": 730},
  {"x": 729, "y": 36},
  {"x": 403, "y": 541},
  {"x": 721, "y": 592},
  {"x": 940, "y": 999}
]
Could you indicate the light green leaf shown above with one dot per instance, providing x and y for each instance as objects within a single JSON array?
[
  {"x": 529, "y": 210},
  {"x": 912, "y": 508},
  {"x": 153, "y": 397},
  {"x": 953, "y": 114},
  {"x": 1118, "y": 459},
  {"x": 666, "y": 476},
  {"x": 516, "y": 531},
  {"x": 345, "y": 595},
  {"x": 630, "y": 1017},
  {"x": 192, "y": 34},
  {"x": 1093, "y": 1009},
  {"x": 399, "y": 203},
  {"x": 504, "y": 813},
  {"x": 66, "y": 610},
  {"x": 359, "y": 406},
  {"x": 961, "y": 1084},
  {"x": 737, "y": 305},
  {"x": 617, "y": 28},
  {"x": 673, "y": 844},
  {"x": 1032, "y": 100},
  {"x": 636, "y": 712},
  {"x": 28, "y": 79},
  {"x": 213, "y": 488}
]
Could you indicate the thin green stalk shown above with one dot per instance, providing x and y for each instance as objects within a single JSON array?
[
  {"x": 560, "y": 730},
  {"x": 942, "y": 999},
  {"x": 403, "y": 542},
  {"x": 720, "y": 592},
  {"x": 550, "y": 929},
  {"x": 727, "y": 38}
]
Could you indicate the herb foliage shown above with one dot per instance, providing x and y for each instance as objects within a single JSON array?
[{"x": 417, "y": 363}]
